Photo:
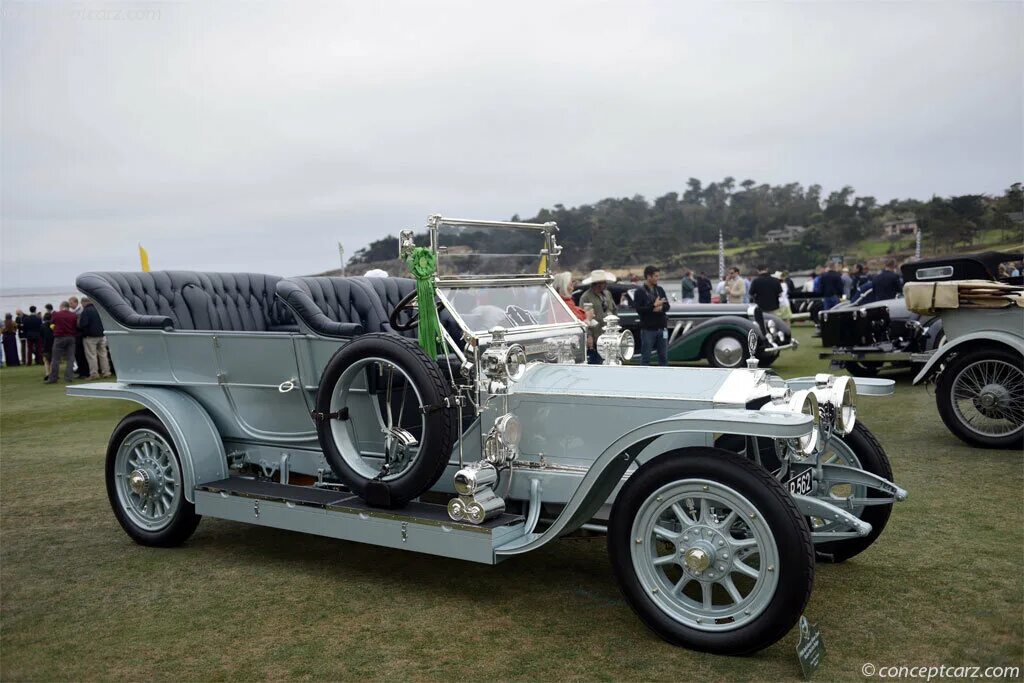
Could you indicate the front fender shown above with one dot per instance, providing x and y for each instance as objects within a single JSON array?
[
  {"x": 958, "y": 344},
  {"x": 606, "y": 472},
  {"x": 195, "y": 437}
]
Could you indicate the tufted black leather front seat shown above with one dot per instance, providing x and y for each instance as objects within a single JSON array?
[
  {"x": 189, "y": 300},
  {"x": 334, "y": 306}
]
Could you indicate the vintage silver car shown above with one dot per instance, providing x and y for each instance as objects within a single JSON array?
[{"x": 309, "y": 404}]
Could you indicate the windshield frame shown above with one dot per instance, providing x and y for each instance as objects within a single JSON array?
[{"x": 549, "y": 248}]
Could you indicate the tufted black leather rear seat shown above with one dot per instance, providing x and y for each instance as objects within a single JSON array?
[{"x": 190, "y": 300}]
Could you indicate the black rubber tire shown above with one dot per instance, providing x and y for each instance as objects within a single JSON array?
[
  {"x": 872, "y": 459},
  {"x": 709, "y": 349},
  {"x": 944, "y": 397},
  {"x": 185, "y": 520},
  {"x": 792, "y": 536},
  {"x": 862, "y": 368},
  {"x": 440, "y": 424}
]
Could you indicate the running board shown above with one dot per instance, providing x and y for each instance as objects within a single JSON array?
[{"x": 420, "y": 527}]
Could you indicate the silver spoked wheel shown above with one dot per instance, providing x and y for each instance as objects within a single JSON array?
[
  {"x": 704, "y": 555},
  {"x": 379, "y": 393},
  {"x": 147, "y": 479},
  {"x": 728, "y": 351},
  {"x": 988, "y": 398}
]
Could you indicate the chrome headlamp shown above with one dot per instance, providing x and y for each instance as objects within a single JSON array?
[
  {"x": 807, "y": 403},
  {"x": 615, "y": 344},
  {"x": 843, "y": 396},
  {"x": 502, "y": 442},
  {"x": 501, "y": 363}
]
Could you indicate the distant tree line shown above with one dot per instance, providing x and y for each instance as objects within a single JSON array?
[{"x": 616, "y": 232}]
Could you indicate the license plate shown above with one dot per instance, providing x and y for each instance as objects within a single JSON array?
[{"x": 800, "y": 485}]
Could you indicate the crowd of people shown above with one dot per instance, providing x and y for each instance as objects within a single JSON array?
[
  {"x": 773, "y": 293},
  {"x": 72, "y": 334}
]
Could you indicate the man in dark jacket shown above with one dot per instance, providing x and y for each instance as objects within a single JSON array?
[
  {"x": 703, "y": 289},
  {"x": 765, "y": 291},
  {"x": 31, "y": 327},
  {"x": 91, "y": 327},
  {"x": 651, "y": 303},
  {"x": 887, "y": 283},
  {"x": 831, "y": 286}
]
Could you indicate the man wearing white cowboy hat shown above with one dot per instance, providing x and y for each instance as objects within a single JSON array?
[{"x": 601, "y": 305}]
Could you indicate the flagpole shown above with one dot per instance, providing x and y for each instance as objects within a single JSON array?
[
  {"x": 917, "y": 251},
  {"x": 341, "y": 257},
  {"x": 721, "y": 256}
]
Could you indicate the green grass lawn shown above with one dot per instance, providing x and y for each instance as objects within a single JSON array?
[{"x": 79, "y": 600}]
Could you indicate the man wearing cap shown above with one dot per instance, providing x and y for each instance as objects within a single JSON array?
[{"x": 601, "y": 305}]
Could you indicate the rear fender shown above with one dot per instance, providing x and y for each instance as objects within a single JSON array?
[
  {"x": 195, "y": 437},
  {"x": 960, "y": 344},
  {"x": 604, "y": 475}
]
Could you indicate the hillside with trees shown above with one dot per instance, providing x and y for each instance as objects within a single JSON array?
[{"x": 677, "y": 230}]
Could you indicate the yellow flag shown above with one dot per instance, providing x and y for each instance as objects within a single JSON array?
[
  {"x": 144, "y": 258},
  {"x": 543, "y": 267}
]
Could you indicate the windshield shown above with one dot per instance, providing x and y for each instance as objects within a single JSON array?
[
  {"x": 510, "y": 306},
  {"x": 468, "y": 248}
]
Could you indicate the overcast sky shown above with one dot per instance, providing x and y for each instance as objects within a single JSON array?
[{"x": 256, "y": 136}]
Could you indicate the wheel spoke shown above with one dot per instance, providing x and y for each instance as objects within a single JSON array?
[
  {"x": 705, "y": 591},
  {"x": 729, "y": 519},
  {"x": 731, "y": 589},
  {"x": 745, "y": 569},
  {"x": 665, "y": 559},
  {"x": 681, "y": 584},
  {"x": 666, "y": 535},
  {"x": 684, "y": 519}
]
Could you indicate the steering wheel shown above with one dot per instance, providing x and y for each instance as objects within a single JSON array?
[{"x": 400, "y": 307}]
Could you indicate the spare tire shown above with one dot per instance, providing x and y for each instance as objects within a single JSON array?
[{"x": 384, "y": 418}]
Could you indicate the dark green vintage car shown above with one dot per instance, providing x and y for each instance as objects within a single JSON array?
[{"x": 714, "y": 332}]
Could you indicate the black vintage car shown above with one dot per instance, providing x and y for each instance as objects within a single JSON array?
[
  {"x": 715, "y": 332},
  {"x": 865, "y": 336}
]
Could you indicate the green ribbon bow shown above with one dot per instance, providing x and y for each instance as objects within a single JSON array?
[{"x": 423, "y": 265}]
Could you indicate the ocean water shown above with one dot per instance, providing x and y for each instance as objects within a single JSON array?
[{"x": 13, "y": 299}]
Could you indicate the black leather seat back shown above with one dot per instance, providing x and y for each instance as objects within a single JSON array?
[
  {"x": 391, "y": 290},
  {"x": 189, "y": 300},
  {"x": 334, "y": 306}
]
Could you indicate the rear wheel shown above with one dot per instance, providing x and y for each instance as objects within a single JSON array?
[
  {"x": 726, "y": 350},
  {"x": 980, "y": 396},
  {"x": 145, "y": 484},
  {"x": 711, "y": 552}
]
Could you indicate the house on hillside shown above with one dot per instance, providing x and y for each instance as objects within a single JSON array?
[
  {"x": 788, "y": 233},
  {"x": 904, "y": 225}
]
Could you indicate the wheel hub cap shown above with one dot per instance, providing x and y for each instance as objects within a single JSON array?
[
  {"x": 703, "y": 553},
  {"x": 140, "y": 481},
  {"x": 697, "y": 559},
  {"x": 728, "y": 351}
]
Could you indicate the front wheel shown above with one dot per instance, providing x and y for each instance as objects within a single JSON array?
[
  {"x": 711, "y": 552},
  {"x": 145, "y": 484},
  {"x": 980, "y": 396}
]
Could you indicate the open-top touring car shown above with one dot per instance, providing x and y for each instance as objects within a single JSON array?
[{"x": 343, "y": 407}]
